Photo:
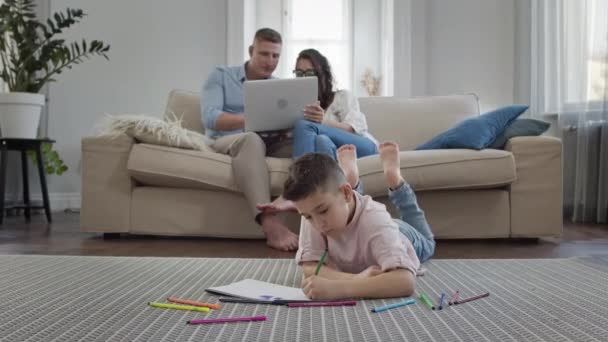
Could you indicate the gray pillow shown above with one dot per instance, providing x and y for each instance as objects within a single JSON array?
[{"x": 519, "y": 128}]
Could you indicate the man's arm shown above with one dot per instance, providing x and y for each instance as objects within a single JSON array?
[
  {"x": 228, "y": 121},
  {"x": 212, "y": 106},
  {"x": 395, "y": 283}
]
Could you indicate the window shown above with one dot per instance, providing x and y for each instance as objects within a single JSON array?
[
  {"x": 324, "y": 25},
  {"x": 569, "y": 55}
]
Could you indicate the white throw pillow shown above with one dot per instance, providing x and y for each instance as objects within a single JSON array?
[{"x": 152, "y": 130}]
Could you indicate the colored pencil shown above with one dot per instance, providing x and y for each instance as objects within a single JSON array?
[
  {"x": 178, "y": 307},
  {"x": 454, "y": 298},
  {"x": 321, "y": 261},
  {"x": 193, "y": 303},
  {"x": 299, "y": 305},
  {"x": 441, "y": 298},
  {"x": 227, "y": 320},
  {"x": 472, "y": 298},
  {"x": 426, "y": 301},
  {"x": 395, "y": 305}
]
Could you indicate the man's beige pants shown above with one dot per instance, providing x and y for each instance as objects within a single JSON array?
[{"x": 248, "y": 152}]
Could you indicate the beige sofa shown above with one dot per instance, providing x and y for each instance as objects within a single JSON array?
[{"x": 137, "y": 188}]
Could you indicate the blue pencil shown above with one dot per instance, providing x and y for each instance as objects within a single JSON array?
[
  {"x": 392, "y": 306},
  {"x": 441, "y": 301}
]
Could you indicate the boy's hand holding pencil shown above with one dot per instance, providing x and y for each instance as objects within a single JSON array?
[
  {"x": 319, "y": 288},
  {"x": 316, "y": 287}
]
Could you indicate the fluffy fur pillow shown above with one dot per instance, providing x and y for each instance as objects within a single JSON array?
[{"x": 151, "y": 130}]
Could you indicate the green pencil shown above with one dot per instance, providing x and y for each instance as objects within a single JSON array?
[
  {"x": 320, "y": 262},
  {"x": 426, "y": 301}
]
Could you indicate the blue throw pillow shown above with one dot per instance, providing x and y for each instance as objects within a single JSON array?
[
  {"x": 520, "y": 128},
  {"x": 476, "y": 133}
]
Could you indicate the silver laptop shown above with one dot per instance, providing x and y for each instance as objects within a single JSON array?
[{"x": 276, "y": 104}]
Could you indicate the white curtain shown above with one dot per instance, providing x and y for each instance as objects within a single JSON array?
[
  {"x": 3, "y": 85},
  {"x": 569, "y": 77}
]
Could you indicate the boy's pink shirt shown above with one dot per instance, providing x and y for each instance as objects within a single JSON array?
[{"x": 371, "y": 238}]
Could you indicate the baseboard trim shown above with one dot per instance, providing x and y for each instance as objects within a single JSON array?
[{"x": 59, "y": 201}]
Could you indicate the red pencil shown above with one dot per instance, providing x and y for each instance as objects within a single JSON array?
[
  {"x": 472, "y": 298},
  {"x": 227, "y": 320},
  {"x": 454, "y": 297},
  {"x": 300, "y": 305}
]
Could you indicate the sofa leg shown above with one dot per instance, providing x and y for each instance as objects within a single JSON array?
[{"x": 111, "y": 236}]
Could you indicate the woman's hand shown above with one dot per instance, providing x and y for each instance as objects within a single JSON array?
[{"x": 314, "y": 112}]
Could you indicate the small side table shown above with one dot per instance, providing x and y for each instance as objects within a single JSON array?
[{"x": 24, "y": 145}]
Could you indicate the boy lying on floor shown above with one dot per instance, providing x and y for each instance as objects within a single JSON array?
[{"x": 370, "y": 255}]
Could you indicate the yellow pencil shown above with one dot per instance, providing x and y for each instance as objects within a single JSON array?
[{"x": 178, "y": 307}]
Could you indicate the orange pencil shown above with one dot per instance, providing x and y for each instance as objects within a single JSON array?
[{"x": 193, "y": 303}]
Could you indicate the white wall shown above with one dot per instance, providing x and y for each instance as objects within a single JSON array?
[
  {"x": 420, "y": 33},
  {"x": 155, "y": 46},
  {"x": 471, "y": 48},
  {"x": 522, "y": 51},
  {"x": 235, "y": 30},
  {"x": 457, "y": 47},
  {"x": 367, "y": 45},
  {"x": 403, "y": 34}
]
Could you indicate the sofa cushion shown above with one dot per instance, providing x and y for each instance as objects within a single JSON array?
[
  {"x": 443, "y": 170},
  {"x": 178, "y": 168},
  {"x": 186, "y": 106},
  {"x": 412, "y": 121},
  {"x": 520, "y": 128},
  {"x": 155, "y": 165},
  {"x": 425, "y": 170},
  {"x": 475, "y": 133}
]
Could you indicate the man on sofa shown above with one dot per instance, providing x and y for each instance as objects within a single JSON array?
[{"x": 222, "y": 106}]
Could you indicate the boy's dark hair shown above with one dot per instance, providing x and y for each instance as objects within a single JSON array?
[
  {"x": 311, "y": 173},
  {"x": 269, "y": 35}
]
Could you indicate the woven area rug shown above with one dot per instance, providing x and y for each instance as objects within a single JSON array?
[{"x": 67, "y": 298}]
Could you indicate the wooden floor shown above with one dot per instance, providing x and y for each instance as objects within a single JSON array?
[{"x": 63, "y": 237}]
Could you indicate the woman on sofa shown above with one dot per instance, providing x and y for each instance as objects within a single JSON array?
[{"x": 332, "y": 121}]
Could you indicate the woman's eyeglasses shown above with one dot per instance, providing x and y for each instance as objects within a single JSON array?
[{"x": 304, "y": 73}]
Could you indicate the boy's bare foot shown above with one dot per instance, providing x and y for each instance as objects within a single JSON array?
[
  {"x": 389, "y": 154},
  {"x": 277, "y": 235},
  {"x": 277, "y": 206},
  {"x": 347, "y": 159}
]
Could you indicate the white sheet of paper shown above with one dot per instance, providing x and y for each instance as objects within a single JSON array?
[{"x": 260, "y": 290}]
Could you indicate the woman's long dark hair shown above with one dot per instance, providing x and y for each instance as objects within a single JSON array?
[{"x": 324, "y": 75}]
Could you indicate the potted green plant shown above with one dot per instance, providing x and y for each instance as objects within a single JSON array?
[{"x": 31, "y": 56}]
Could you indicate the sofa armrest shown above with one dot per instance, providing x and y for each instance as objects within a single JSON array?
[
  {"x": 106, "y": 184},
  {"x": 536, "y": 195}
]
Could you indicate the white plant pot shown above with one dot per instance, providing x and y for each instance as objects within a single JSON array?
[{"x": 20, "y": 114}]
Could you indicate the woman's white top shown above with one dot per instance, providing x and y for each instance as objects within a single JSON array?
[{"x": 345, "y": 109}]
